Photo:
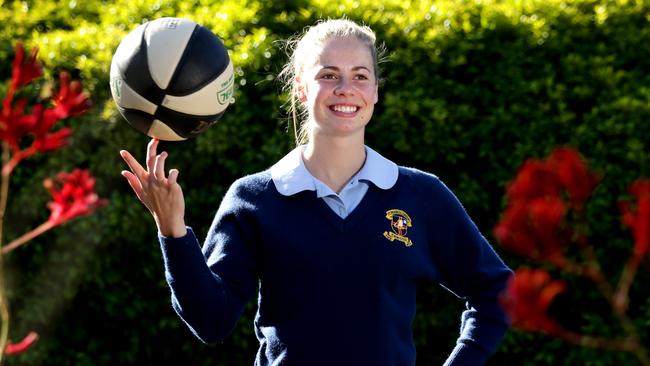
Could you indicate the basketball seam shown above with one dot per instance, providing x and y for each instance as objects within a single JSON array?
[
  {"x": 208, "y": 80},
  {"x": 186, "y": 115},
  {"x": 144, "y": 48}
]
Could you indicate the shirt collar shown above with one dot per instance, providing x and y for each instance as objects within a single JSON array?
[{"x": 290, "y": 175}]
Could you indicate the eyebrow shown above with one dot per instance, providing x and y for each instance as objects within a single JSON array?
[{"x": 356, "y": 68}]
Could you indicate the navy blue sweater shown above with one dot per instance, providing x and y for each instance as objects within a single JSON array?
[{"x": 336, "y": 291}]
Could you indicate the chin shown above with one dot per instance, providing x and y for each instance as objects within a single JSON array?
[{"x": 350, "y": 130}]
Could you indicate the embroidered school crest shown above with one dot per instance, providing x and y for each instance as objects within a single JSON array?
[{"x": 399, "y": 224}]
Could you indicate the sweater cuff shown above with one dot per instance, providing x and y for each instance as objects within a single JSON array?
[
  {"x": 166, "y": 240},
  {"x": 466, "y": 355},
  {"x": 178, "y": 247}
]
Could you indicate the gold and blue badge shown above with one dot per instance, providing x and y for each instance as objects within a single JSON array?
[{"x": 399, "y": 224}]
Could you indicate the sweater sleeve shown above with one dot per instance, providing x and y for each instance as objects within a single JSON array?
[
  {"x": 470, "y": 268},
  {"x": 211, "y": 286}
]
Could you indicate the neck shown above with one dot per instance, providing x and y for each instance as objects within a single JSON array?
[{"x": 334, "y": 161}]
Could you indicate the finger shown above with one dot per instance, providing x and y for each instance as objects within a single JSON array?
[
  {"x": 134, "y": 182},
  {"x": 159, "y": 166},
  {"x": 133, "y": 164},
  {"x": 151, "y": 155},
  {"x": 173, "y": 176}
]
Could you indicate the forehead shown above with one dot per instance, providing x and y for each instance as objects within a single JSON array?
[{"x": 342, "y": 52}]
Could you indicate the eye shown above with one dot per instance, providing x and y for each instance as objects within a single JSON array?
[
  {"x": 361, "y": 77},
  {"x": 328, "y": 76}
]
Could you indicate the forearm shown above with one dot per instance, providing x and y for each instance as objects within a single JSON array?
[
  {"x": 198, "y": 296},
  {"x": 173, "y": 227}
]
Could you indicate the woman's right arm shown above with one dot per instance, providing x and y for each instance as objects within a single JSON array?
[{"x": 209, "y": 300}]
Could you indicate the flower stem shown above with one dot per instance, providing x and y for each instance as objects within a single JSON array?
[
  {"x": 630, "y": 345},
  {"x": 47, "y": 225},
  {"x": 621, "y": 297},
  {"x": 4, "y": 187},
  {"x": 606, "y": 290},
  {"x": 583, "y": 340},
  {"x": 4, "y": 306},
  {"x": 18, "y": 155}
]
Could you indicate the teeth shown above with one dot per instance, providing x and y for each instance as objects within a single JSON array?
[{"x": 344, "y": 108}]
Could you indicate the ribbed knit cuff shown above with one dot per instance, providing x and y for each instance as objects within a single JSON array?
[
  {"x": 180, "y": 251},
  {"x": 465, "y": 355},
  {"x": 168, "y": 239}
]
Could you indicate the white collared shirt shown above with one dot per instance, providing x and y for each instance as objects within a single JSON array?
[{"x": 290, "y": 176}]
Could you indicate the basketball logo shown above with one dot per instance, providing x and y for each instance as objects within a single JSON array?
[{"x": 225, "y": 93}]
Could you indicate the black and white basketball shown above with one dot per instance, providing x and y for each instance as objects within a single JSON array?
[{"x": 171, "y": 78}]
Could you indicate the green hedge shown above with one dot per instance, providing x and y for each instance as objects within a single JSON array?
[{"x": 473, "y": 88}]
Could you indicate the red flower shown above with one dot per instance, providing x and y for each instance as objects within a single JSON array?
[
  {"x": 38, "y": 124},
  {"x": 53, "y": 141},
  {"x": 73, "y": 195},
  {"x": 511, "y": 233},
  {"x": 71, "y": 99},
  {"x": 638, "y": 221},
  {"x": 534, "y": 229},
  {"x": 563, "y": 170},
  {"x": 22, "y": 346},
  {"x": 571, "y": 170},
  {"x": 534, "y": 180},
  {"x": 17, "y": 124},
  {"x": 546, "y": 213},
  {"x": 533, "y": 224},
  {"x": 527, "y": 298},
  {"x": 24, "y": 72},
  {"x": 46, "y": 141}
]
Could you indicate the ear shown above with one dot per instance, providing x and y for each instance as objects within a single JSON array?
[{"x": 302, "y": 90}]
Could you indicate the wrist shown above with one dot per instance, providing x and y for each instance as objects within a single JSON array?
[{"x": 177, "y": 230}]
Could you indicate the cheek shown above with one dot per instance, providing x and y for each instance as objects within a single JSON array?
[
  {"x": 317, "y": 94},
  {"x": 367, "y": 113},
  {"x": 312, "y": 96},
  {"x": 370, "y": 94},
  {"x": 311, "y": 90},
  {"x": 375, "y": 94}
]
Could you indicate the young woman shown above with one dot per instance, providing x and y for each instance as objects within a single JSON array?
[{"x": 333, "y": 238}]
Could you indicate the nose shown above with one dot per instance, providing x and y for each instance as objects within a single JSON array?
[{"x": 344, "y": 87}]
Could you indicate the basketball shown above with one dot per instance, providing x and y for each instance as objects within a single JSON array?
[{"x": 171, "y": 78}]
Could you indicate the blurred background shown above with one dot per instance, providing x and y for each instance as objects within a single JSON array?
[{"x": 472, "y": 89}]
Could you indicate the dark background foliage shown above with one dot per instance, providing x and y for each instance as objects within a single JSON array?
[{"x": 472, "y": 89}]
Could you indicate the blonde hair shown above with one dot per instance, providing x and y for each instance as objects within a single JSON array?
[{"x": 300, "y": 49}]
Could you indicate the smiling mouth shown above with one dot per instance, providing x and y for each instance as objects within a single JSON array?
[{"x": 344, "y": 108}]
